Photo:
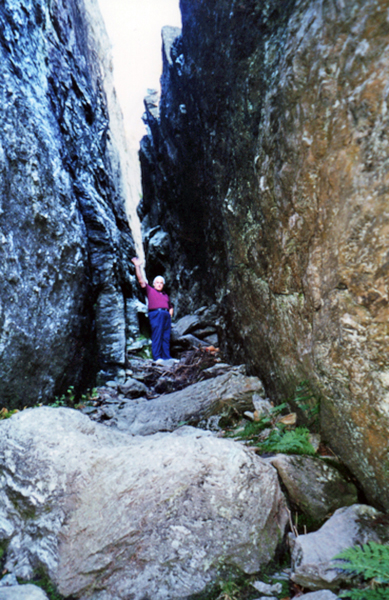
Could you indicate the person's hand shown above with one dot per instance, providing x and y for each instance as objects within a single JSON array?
[{"x": 137, "y": 261}]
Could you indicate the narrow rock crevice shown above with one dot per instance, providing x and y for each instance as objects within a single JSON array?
[{"x": 269, "y": 150}]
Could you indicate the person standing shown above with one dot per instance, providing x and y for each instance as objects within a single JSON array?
[{"x": 160, "y": 313}]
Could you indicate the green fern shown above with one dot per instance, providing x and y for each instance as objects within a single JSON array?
[
  {"x": 371, "y": 562},
  {"x": 295, "y": 441},
  {"x": 381, "y": 593},
  {"x": 305, "y": 399},
  {"x": 252, "y": 429}
]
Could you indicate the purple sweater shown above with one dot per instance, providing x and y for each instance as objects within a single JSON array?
[{"x": 157, "y": 299}]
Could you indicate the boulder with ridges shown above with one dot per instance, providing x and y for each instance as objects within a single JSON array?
[{"x": 110, "y": 515}]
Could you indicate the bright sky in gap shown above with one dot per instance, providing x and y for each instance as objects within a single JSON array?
[{"x": 134, "y": 28}]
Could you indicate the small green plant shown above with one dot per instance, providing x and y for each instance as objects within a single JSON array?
[
  {"x": 6, "y": 414},
  {"x": 252, "y": 429},
  {"x": 69, "y": 399},
  {"x": 65, "y": 400},
  {"x": 145, "y": 352},
  {"x": 87, "y": 398},
  {"x": 381, "y": 593},
  {"x": 42, "y": 580},
  {"x": 295, "y": 441},
  {"x": 371, "y": 562},
  {"x": 307, "y": 402},
  {"x": 229, "y": 591},
  {"x": 57, "y": 403}
]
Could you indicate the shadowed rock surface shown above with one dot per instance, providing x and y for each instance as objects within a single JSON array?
[
  {"x": 112, "y": 516},
  {"x": 64, "y": 237},
  {"x": 314, "y": 486},
  {"x": 267, "y": 168}
]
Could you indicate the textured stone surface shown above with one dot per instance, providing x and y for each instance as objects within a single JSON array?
[
  {"x": 133, "y": 388},
  {"x": 22, "y": 592},
  {"x": 64, "y": 237},
  {"x": 229, "y": 392},
  {"x": 112, "y": 516},
  {"x": 312, "y": 554},
  {"x": 320, "y": 595},
  {"x": 314, "y": 486},
  {"x": 185, "y": 325},
  {"x": 268, "y": 166}
]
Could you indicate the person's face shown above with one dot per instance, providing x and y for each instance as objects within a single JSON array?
[{"x": 158, "y": 284}]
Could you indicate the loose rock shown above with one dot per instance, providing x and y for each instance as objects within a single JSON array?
[
  {"x": 313, "y": 485},
  {"x": 266, "y": 588},
  {"x": 133, "y": 388},
  {"x": 9, "y": 580},
  {"x": 312, "y": 554},
  {"x": 185, "y": 325},
  {"x": 320, "y": 595},
  {"x": 22, "y": 592}
]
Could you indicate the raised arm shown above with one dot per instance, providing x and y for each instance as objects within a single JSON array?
[{"x": 138, "y": 272}]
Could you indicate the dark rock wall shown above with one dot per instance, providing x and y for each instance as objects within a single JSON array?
[
  {"x": 268, "y": 166},
  {"x": 64, "y": 238}
]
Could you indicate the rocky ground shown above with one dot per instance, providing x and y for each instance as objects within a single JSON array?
[{"x": 187, "y": 466}]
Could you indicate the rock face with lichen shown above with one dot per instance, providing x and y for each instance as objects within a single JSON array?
[
  {"x": 110, "y": 516},
  {"x": 64, "y": 237},
  {"x": 268, "y": 165}
]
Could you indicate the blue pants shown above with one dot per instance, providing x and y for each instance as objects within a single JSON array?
[{"x": 160, "y": 322}]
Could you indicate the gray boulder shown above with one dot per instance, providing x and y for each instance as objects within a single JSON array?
[
  {"x": 190, "y": 405},
  {"x": 111, "y": 516},
  {"x": 313, "y": 485},
  {"x": 312, "y": 554},
  {"x": 22, "y": 592},
  {"x": 266, "y": 588},
  {"x": 320, "y": 595}
]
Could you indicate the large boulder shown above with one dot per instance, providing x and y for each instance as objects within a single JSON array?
[
  {"x": 269, "y": 168},
  {"x": 111, "y": 516}
]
